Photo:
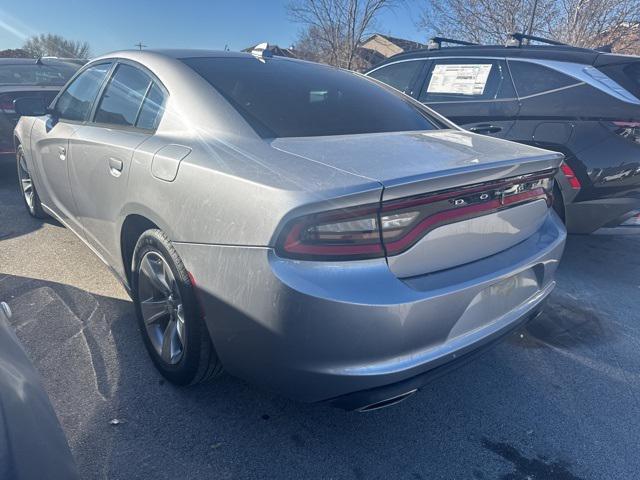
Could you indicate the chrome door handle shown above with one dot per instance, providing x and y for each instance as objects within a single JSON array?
[
  {"x": 62, "y": 153},
  {"x": 115, "y": 167}
]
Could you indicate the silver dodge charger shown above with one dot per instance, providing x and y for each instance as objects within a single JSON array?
[{"x": 303, "y": 227}]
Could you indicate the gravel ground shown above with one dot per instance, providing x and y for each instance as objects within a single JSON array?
[{"x": 558, "y": 400}]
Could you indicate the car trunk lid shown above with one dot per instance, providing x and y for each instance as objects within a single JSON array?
[{"x": 465, "y": 196}]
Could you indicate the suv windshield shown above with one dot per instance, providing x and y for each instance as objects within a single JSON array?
[
  {"x": 54, "y": 75},
  {"x": 284, "y": 98}
]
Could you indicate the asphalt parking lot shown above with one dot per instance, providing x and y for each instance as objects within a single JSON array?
[{"x": 558, "y": 400}]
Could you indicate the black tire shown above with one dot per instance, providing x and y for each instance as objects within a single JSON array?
[
  {"x": 34, "y": 207},
  {"x": 199, "y": 361}
]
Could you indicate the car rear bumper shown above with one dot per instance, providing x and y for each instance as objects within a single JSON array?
[
  {"x": 380, "y": 397},
  {"x": 317, "y": 331},
  {"x": 588, "y": 216}
]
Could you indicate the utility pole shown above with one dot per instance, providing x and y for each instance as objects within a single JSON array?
[
  {"x": 141, "y": 45},
  {"x": 533, "y": 16}
]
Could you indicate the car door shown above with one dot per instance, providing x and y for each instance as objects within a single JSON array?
[
  {"x": 124, "y": 117},
  {"x": 50, "y": 141},
  {"x": 476, "y": 93},
  {"x": 550, "y": 105}
]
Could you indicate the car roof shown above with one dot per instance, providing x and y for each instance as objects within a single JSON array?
[
  {"x": 195, "y": 52},
  {"x": 181, "y": 54},
  {"x": 177, "y": 53},
  {"x": 563, "y": 53}
]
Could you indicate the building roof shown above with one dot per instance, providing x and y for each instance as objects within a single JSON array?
[{"x": 404, "y": 44}]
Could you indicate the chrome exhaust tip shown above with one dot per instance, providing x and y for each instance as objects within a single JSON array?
[{"x": 387, "y": 402}]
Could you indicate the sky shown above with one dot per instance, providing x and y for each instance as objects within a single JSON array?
[{"x": 110, "y": 25}]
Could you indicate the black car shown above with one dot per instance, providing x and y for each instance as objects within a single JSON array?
[
  {"x": 581, "y": 102},
  {"x": 28, "y": 77}
]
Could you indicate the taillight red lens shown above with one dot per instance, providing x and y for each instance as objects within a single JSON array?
[
  {"x": 372, "y": 231},
  {"x": 460, "y": 204},
  {"x": 6, "y": 106},
  {"x": 351, "y": 232},
  {"x": 571, "y": 176}
]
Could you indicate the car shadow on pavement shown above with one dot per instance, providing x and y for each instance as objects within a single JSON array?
[
  {"x": 124, "y": 421},
  {"x": 12, "y": 206}
]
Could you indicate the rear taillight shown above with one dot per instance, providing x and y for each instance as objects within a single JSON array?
[
  {"x": 348, "y": 233},
  {"x": 6, "y": 105},
  {"x": 632, "y": 221},
  {"x": 375, "y": 231},
  {"x": 628, "y": 130},
  {"x": 435, "y": 210},
  {"x": 571, "y": 176}
]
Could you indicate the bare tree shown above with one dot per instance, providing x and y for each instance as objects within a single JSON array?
[
  {"x": 590, "y": 23},
  {"x": 47, "y": 44},
  {"x": 334, "y": 29},
  {"x": 584, "y": 23},
  {"x": 486, "y": 21}
]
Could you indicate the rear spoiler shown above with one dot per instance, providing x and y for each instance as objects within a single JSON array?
[
  {"x": 606, "y": 59},
  {"x": 471, "y": 174}
]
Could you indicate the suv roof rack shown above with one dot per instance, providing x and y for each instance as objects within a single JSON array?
[
  {"x": 515, "y": 40},
  {"x": 436, "y": 42},
  {"x": 605, "y": 49}
]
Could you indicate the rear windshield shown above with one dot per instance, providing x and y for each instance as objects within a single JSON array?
[
  {"x": 283, "y": 98},
  {"x": 44, "y": 75}
]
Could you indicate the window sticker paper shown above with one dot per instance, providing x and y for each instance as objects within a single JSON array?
[{"x": 459, "y": 79}]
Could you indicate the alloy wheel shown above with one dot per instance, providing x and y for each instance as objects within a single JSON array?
[
  {"x": 26, "y": 183},
  {"x": 162, "y": 308}
]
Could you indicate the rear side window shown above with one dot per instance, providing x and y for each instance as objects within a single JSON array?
[
  {"x": 122, "y": 99},
  {"x": 287, "y": 98},
  {"x": 532, "y": 79},
  {"x": 459, "y": 80},
  {"x": 36, "y": 74},
  {"x": 152, "y": 108},
  {"x": 76, "y": 101},
  {"x": 626, "y": 74},
  {"x": 398, "y": 75}
]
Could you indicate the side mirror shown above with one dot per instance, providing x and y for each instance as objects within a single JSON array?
[{"x": 29, "y": 106}]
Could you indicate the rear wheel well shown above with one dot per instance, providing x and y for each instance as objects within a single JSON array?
[{"x": 132, "y": 228}]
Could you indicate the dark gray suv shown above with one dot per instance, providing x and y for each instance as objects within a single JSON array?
[{"x": 583, "y": 103}]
